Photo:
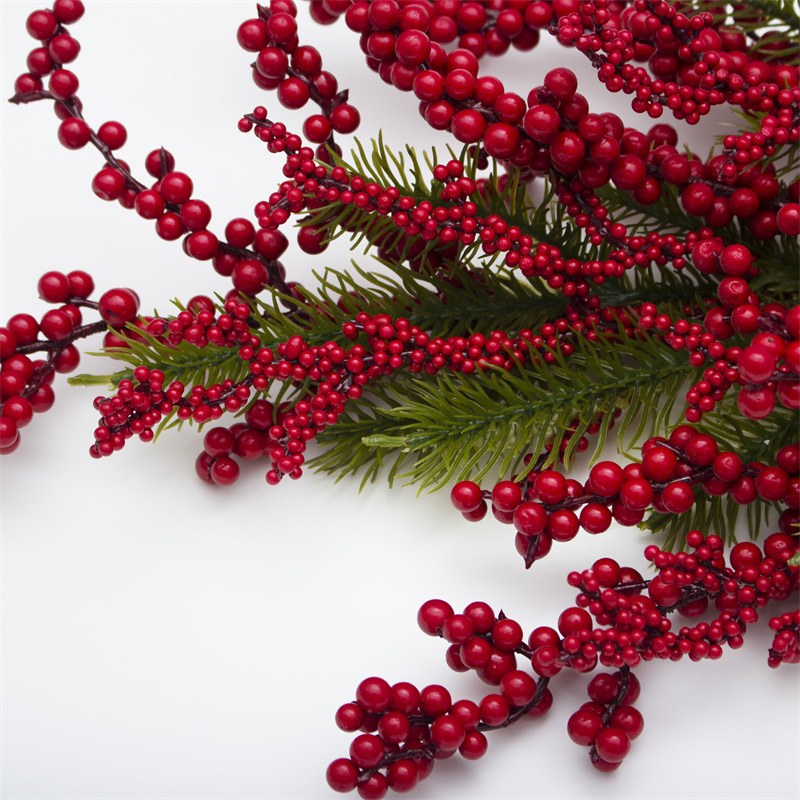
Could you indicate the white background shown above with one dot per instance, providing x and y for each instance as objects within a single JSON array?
[{"x": 163, "y": 638}]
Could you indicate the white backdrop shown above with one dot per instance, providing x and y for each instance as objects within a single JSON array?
[{"x": 166, "y": 639}]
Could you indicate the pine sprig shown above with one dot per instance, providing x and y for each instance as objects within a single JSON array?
[
  {"x": 456, "y": 427},
  {"x": 671, "y": 290},
  {"x": 181, "y": 362}
]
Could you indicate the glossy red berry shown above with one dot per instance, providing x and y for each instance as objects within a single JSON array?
[
  {"x": 224, "y": 471},
  {"x": 41, "y": 24},
  {"x": 374, "y": 695},
  {"x": 466, "y": 496},
  {"x": 176, "y": 187},
  {"x": 432, "y": 615},
  {"x": 506, "y": 496},
  {"x": 112, "y": 134},
  {"x": 118, "y": 307},
  {"x": 54, "y": 287},
  {"x": 68, "y": 11},
  {"x": 612, "y": 744},
  {"x": 584, "y": 726},
  {"x": 74, "y": 133},
  {"x": 342, "y": 775}
]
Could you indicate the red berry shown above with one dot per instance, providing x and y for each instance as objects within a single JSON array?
[
  {"x": 606, "y": 478},
  {"x": 573, "y": 620},
  {"x": 447, "y": 732},
  {"x": 366, "y": 751},
  {"x": 561, "y": 82},
  {"x": 41, "y": 24},
  {"x": 55, "y": 325},
  {"x": 466, "y": 496},
  {"x": 530, "y": 518},
  {"x": 54, "y": 287},
  {"x": 176, "y": 187},
  {"x": 402, "y": 775},
  {"x": 374, "y": 695},
  {"x": 756, "y": 364},
  {"x": 583, "y": 727},
  {"x": 659, "y": 464},
  {"x": 224, "y": 471},
  {"x": 118, "y": 307},
  {"x": 63, "y": 84},
  {"x": 432, "y": 615},
  {"x": 518, "y": 687},
  {"x": 474, "y": 745},
  {"x": 9, "y": 435},
  {"x": 112, "y": 134},
  {"x": 612, "y": 744},
  {"x": 506, "y": 496},
  {"x": 755, "y": 404},
  {"x": 68, "y": 11},
  {"x": 550, "y": 487},
  {"x": 342, "y": 775},
  {"x": 74, "y": 133},
  {"x": 677, "y": 497},
  {"x": 312, "y": 240},
  {"x": 108, "y": 184},
  {"x": 735, "y": 260}
]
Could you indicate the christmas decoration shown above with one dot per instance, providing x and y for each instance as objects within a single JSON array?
[{"x": 558, "y": 275}]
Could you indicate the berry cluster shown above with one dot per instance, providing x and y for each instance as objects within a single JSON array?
[
  {"x": 456, "y": 221},
  {"x": 766, "y": 367},
  {"x": 295, "y": 72},
  {"x": 405, "y": 730},
  {"x": 546, "y": 506},
  {"x": 608, "y": 723},
  {"x": 696, "y": 67},
  {"x": 402, "y": 731},
  {"x": 26, "y": 383}
]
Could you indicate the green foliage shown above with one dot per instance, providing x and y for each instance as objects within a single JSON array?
[{"x": 450, "y": 427}]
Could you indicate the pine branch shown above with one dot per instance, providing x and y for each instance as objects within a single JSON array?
[
  {"x": 456, "y": 427},
  {"x": 670, "y": 290}
]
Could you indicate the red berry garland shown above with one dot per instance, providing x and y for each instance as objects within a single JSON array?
[{"x": 460, "y": 232}]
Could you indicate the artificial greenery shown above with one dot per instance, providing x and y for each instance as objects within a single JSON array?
[{"x": 432, "y": 430}]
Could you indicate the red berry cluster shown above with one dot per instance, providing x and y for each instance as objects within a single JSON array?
[
  {"x": 402, "y": 731},
  {"x": 26, "y": 383},
  {"x": 546, "y": 506},
  {"x": 608, "y": 723},
  {"x": 766, "y": 368},
  {"x": 405, "y": 730},
  {"x": 697, "y": 66},
  {"x": 685, "y": 582},
  {"x": 786, "y": 644},
  {"x": 431, "y": 49},
  {"x": 456, "y": 221},
  {"x": 295, "y": 71}
]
